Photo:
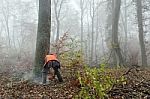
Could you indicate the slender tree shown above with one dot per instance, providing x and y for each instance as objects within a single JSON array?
[
  {"x": 92, "y": 16},
  {"x": 97, "y": 35},
  {"x": 6, "y": 15},
  {"x": 43, "y": 35},
  {"x": 118, "y": 59},
  {"x": 57, "y": 10},
  {"x": 141, "y": 33},
  {"x": 82, "y": 8},
  {"x": 126, "y": 30},
  {"x": 108, "y": 27}
]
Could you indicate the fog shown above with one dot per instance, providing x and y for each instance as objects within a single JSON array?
[{"x": 18, "y": 29}]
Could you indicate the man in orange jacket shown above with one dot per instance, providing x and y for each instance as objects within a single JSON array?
[{"x": 51, "y": 61}]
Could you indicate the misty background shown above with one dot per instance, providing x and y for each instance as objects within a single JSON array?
[{"x": 18, "y": 29}]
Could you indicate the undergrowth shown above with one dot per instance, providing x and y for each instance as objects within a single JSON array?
[{"x": 96, "y": 82}]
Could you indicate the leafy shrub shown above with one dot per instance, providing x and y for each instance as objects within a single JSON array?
[
  {"x": 70, "y": 53},
  {"x": 71, "y": 58},
  {"x": 95, "y": 83}
]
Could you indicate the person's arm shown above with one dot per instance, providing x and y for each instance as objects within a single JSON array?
[{"x": 45, "y": 61}]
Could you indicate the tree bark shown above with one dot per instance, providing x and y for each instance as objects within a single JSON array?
[
  {"x": 43, "y": 36},
  {"x": 57, "y": 11},
  {"x": 92, "y": 15},
  {"x": 96, "y": 38},
  {"x": 126, "y": 29},
  {"x": 115, "y": 43},
  {"x": 82, "y": 13},
  {"x": 109, "y": 24},
  {"x": 141, "y": 33}
]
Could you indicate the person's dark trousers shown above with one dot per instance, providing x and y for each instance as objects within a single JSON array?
[{"x": 56, "y": 66}]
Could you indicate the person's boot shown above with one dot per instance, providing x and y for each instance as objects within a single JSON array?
[
  {"x": 44, "y": 77},
  {"x": 59, "y": 76}
]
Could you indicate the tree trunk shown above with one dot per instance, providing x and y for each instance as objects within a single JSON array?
[
  {"x": 57, "y": 37},
  {"x": 57, "y": 11},
  {"x": 115, "y": 44},
  {"x": 126, "y": 30},
  {"x": 141, "y": 33},
  {"x": 82, "y": 12},
  {"x": 108, "y": 27},
  {"x": 43, "y": 36},
  {"x": 92, "y": 14},
  {"x": 88, "y": 40},
  {"x": 110, "y": 7},
  {"x": 96, "y": 38}
]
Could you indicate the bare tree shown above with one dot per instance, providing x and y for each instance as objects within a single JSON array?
[
  {"x": 43, "y": 35},
  {"x": 141, "y": 33},
  {"x": 82, "y": 8},
  {"x": 118, "y": 59},
  {"x": 6, "y": 16},
  {"x": 108, "y": 28},
  {"x": 88, "y": 40},
  {"x": 92, "y": 16},
  {"x": 97, "y": 35},
  {"x": 57, "y": 10},
  {"x": 126, "y": 30}
]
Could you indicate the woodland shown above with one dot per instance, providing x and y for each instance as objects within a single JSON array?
[{"x": 103, "y": 47}]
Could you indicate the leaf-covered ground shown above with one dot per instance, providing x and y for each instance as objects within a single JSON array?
[
  {"x": 14, "y": 88},
  {"x": 136, "y": 85}
]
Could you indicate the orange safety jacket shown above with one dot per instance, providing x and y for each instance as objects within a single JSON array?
[{"x": 50, "y": 58}]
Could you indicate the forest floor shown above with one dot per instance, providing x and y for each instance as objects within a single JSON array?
[
  {"x": 15, "y": 88},
  {"x": 137, "y": 86}
]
